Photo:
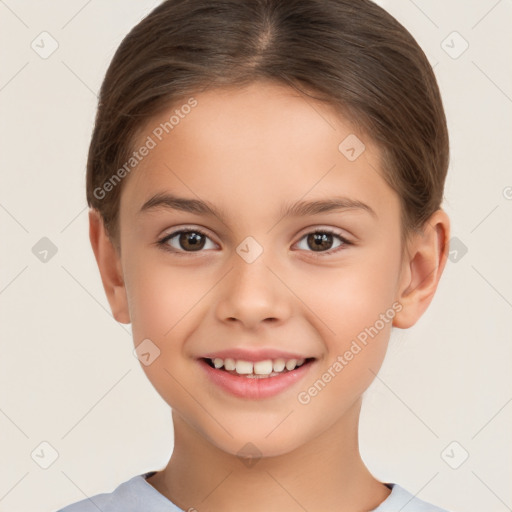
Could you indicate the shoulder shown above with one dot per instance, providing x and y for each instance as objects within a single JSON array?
[
  {"x": 403, "y": 500},
  {"x": 134, "y": 495},
  {"x": 106, "y": 502}
]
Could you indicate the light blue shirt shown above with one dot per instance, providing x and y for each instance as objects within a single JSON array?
[{"x": 137, "y": 495}]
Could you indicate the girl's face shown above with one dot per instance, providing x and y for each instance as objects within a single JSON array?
[{"x": 255, "y": 277}]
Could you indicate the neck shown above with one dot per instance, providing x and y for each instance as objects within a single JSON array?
[{"x": 327, "y": 473}]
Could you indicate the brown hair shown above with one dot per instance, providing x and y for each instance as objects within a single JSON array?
[{"x": 350, "y": 53}]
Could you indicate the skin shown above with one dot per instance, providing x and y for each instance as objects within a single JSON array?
[{"x": 249, "y": 151}]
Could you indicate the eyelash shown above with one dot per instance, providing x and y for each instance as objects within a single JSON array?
[{"x": 162, "y": 243}]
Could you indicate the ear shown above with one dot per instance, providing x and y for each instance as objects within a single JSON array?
[
  {"x": 109, "y": 264},
  {"x": 422, "y": 268}
]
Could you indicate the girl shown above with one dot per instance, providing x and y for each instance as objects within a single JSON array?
[{"x": 265, "y": 180}]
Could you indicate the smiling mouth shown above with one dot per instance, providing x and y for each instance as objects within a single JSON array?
[{"x": 257, "y": 370}]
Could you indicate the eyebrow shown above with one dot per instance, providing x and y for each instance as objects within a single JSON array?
[{"x": 297, "y": 209}]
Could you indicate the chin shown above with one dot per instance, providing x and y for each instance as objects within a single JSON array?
[
  {"x": 252, "y": 451},
  {"x": 255, "y": 443}
]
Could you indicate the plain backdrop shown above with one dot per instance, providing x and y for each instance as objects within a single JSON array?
[{"x": 77, "y": 414}]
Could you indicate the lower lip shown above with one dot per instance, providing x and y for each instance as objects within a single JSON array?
[{"x": 254, "y": 388}]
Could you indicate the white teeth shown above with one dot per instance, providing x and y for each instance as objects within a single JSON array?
[
  {"x": 229, "y": 364},
  {"x": 264, "y": 368},
  {"x": 291, "y": 364},
  {"x": 279, "y": 365},
  {"x": 243, "y": 367}
]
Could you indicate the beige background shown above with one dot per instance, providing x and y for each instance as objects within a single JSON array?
[{"x": 67, "y": 373}]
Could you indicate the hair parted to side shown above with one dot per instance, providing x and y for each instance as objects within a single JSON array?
[{"x": 349, "y": 53}]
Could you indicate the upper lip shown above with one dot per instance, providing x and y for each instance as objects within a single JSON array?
[{"x": 254, "y": 355}]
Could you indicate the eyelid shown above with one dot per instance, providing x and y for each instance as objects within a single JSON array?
[
  {"x": 187, "y": 227},
  {"x": 342, "y": 233}
]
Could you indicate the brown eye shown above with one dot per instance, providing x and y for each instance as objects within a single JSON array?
[
  {"x": 321, "y": 242},
  {"x": 190, "y": 240}
]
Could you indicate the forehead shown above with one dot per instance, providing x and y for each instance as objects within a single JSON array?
[{"x": 264, "y": 142}]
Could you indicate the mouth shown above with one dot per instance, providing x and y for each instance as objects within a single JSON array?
[
  {"x": 255, "y": 380},
  {"x": 266, "y": 368}
]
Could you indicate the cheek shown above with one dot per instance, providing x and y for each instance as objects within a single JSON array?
[
  {"x": 160, "y": 297},
  {"x": 162, "y": 301},
  {"x": 348, "y": 299},
  {"x": 354, "y": 353},
  {"x": 355, "y": 307}
]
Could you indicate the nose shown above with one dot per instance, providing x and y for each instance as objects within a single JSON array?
[{"x": 252, "y": 294}]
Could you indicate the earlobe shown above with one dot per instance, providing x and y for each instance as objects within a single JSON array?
[
  {"x": 423, "y": 268},
  {"x": 109, "y": 265}
]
